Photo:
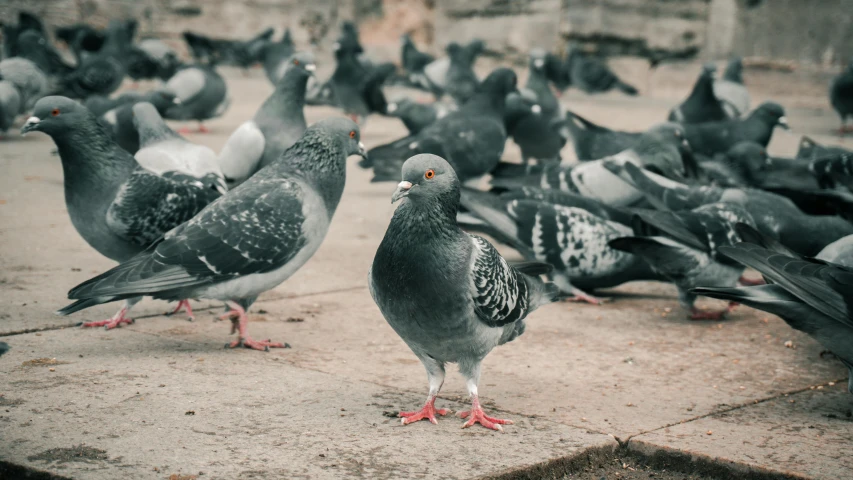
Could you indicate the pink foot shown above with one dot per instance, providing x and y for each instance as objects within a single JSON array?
[
  {"x": 111, "y": 323},
  {"x": 428, "y": 412},
  {"x": 202, "y": 129},
  {"x": 696, "y": 314},
  {"x": 183, "y": 304},
  {"x": 583, "y": 297},
  {"x": 477, "y": 415},
  {"x": 262, "y": 345},
  {"x": 184, "y": 130},
  {"x": 751, "y": 283},
  {"x": 238, "y": 318}
]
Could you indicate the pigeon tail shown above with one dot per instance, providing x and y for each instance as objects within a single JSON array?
[
  {"x": 626, "y": 88},
  {"x": 84, "y": 304},
  {"x": 540, "y": 292}
]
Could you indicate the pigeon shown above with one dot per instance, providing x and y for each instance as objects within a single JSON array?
[
  {"x": 730, "y": 90},
  {"x": 746, "y": 164},
  {"x": 684, "y": 248},
  {"x": 276, "y": 126},
  {"x": 119, "y": 121},
  {"x": 471, "y": 139},
  {"x": 833, "y": 170},
  {"x": 659, "y": 149},
  {"x": 841, "y": 96},
  {"x": 591, "y": 141},
  {"x": 774, "y": 215},
  {"x": 81, "y": 39},
  {"x": 537, "y": 137},
  {"x": 102, "y": 72},
  {"x": 4, "y": 347},
  {"x": 809, "y": 150},
  {"x": 570, "y": 238},
  {"x": 449, "y": 295},
  {"x": 162, "y": 150},
  {"x": 812, "y": 295},
  {"x": 246, "y": 242},
  {"x": 35, "y": 47},
  {"x": 557, "y": 72},
  {"x": 12, "y": 32},
  {"x": 29, "y": 80},
  {"x": 202, "y": 92},
  {"x": 356, "y": 87},
  {"x": 539, "y": 87},
  {"x": 438, "y": 71},
  {"x": 701, "y": 105},
  {"x": 10, "y": 105},
  {"x": 349, "y": 41},
  {"x": 415, "y": 115},
  {"x": 117, "y": 206},
  {"x": 275, "y": 56},
  {"x": 152, "y": 59},
  {"x": 238, "y": 53},
  {"x": 592, "y": 75},
  {"x": 461, "y": 81},
  {"x": 414, "y": 61},
  {"x": 717, "y": 137}
]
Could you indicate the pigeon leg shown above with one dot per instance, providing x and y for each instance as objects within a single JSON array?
[
  {"x": 117, "y": 319},
  {"x": 696, "y": 314},
  {"x": 751, "y": 283},
  {"x": 202, "y": 128},
  {"x": 476, "y": 414},
  {"x": 242, "y": 331},
  {"x": 183, "y": 304},
  {"x": 435, "y": 374},
  {"x": 578, "y": 295}
]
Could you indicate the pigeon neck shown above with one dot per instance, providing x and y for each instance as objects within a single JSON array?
[
  {"x": 154, "y": 131},
  {"x": 91, "y": 162},
  {"x": 426, "y": 219},
  {"x": 319, "y": 161},
  {"x": 704, "y": 88},
  {"x": 487, "y": 102}
]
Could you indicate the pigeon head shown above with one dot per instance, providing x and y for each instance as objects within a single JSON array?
[
  {"x": 734, "y": 70},
  {"x": 537, "y": 60},
  {"x": 297, "y": 69},
  {"x": 343, "y": 131},
  {"x": 453, "y": 49},
  {"x": 427, "y": 177},
  {"x": 773, "y": 114},
  {"x": 162, "y": 99},
  {"x": 54, "y": 115},
  {"x": 501, "y": 82}
]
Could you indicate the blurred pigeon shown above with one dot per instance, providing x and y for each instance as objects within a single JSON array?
[
  {"x": 684, "y": 248},
  {"x": 162, "y": 150},
  {"x": 28, "y": 79},
  {"x": 415, "y": 115},
  {"x": 718, "y": 137},
  {"x": 461, "y": 81},
  {"x": 246, "y": 242},
  {"x": 471, "y": 139},
  {"x": 35, "y": 47},
  {"x": 449, "y": 295},
  {"x": 119, "y": 121},
  {"x": 701, "y": 105},
  {"x": 841, "y": 96},
  {"x": 12, "y": 32},
  {"x": 811, "y": 295},
  {"x": 10, "y": 105},
  {"x": 414, "y": 61},
  {"x": 118, "y": 207},
  {"x": 357, "y": 88},
  {"x": 592, "y": 75},
  {"x": 809, "y": 150},
  {"x": 558, "y": 72},
  {"x": 833, "y": 170},
  {"x": 102, "y": 72},
  {"x": 349, "y": 41},
  {"x": 730, "y": 90},
  {"x": 746, "y": 164},
  {"x": 152, "y": 59},
  {"x": 438, "y": 71},
  {"x": 276, "y": 126},
  {"x": 81, "y": 39},
  {"x": 592, "y": 141},
  {"x": 4, "y": 347},
  {"x": 238, "y": 53},
  {"x": 202, "y": 92},
  {"x": 538, "y": 85},
  {"x": 568, "y": 237},
  {"x": 275, "y": 56},
  {"x": 536, "y": 136}
]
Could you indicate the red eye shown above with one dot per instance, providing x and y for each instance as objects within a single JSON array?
[
  {"x": 429, "y": 174},
  {"x": 352, "y": 134},
  {"x": 54, "y": 112},
  {"x": 296, "y": 62}
]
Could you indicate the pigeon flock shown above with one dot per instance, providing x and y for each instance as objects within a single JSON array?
[{"x": 692, "y": 201}]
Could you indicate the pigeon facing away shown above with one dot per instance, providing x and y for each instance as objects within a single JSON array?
[
  {"x": 449, "y": 295},
  {"x": 717, "y": 137},
  {"x": 811, "y": 295},
  {"x": 841, "y": 96},
  {"x": 276, "y": 126},
  {"x": 275, "y": 56},
  {"x": 592, "y": 75},
  {"x": 29, "y": 80},
  {"x": 461, "y": 81},
  {"x": 10, "y": 105},
  {"x": 202, "y": 92},
  {"x": 438, "y": 71},
  {"x": 702, "y": 105},
  {"x": 415, "y": 115},
  {"x": 471, "y": 139},
  {"x": 118, "y": 207},
  {"x": 247, "y": 241},
  {"x": 357, "y": 87},
  {"x": 592, "y": 141},
  {"x": 151, "y": 58},
  {"x": 414, "y": 61},
  {"x": 745, "y": 165},
  {"x": 731, "y": 91},
  {"x": 536, "y": 136}
]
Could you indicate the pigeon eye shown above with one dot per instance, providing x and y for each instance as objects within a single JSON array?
[
  {"x": 352, "y": 134},
  {"x": 429, "y": 174},
  {"x": 54, "y": 112},
  {"x": 296, "y": 62}
]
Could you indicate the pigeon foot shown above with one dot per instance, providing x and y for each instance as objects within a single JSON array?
[
  {"x": 477, "y": 415},
  {"x": 111, "y": 323},
  {"x": 428, "y": 412},
  {"x": 183, "y": 304},
  {"x": 583, "y": 297},
  {"x": 696, "y": 314},
  {"x": 239, "y": 319},
  {"x": 262, "y": 345},
  {"x": 751, "y": 283}
]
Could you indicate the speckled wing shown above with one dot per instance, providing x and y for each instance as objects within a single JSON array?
[
  {"x": 148, "y": 205},
  {"x": 256, "y": 228},
  {"x": 473, "y": 143},
  {"x": 500, "y": 295}
]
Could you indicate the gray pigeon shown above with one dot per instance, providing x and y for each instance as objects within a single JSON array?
[
  {"x": 275, "y": 55},
  {"x": 247, "y": 241},
  {"x": 461, "y": 81},
  {"x": 745, "y": 165},
  {"x": 437, "y": 71},
  {"x": 592, "y": 141},
  {"x": 537, "y": 137},
  {"x": 811, "y": 295},
  {"x": 10, "y": 105},
  {"x": 4, "y": 347},
  {"x": 28, "y": 78},
  {"x": 415, "y": 115},
  {"x": 592, "y": 75},
  {"x": 276, "y": 126},
  {"x": 119, "y": 122},
  {"x": 841, "y": 96},
  {"x": 163, "y": 150},
  {"x": 701, "y": 105},
  {"x": 717, "y": 137},
  {"x": 117, "y": 206},
  {"x": 731, "y": 91},
  {"x": 202, "y": 92},
  {"x": 448, "y": 294}
]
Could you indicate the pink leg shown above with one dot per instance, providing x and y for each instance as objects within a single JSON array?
[
  {"x": 184, "y": 130},
  {"x": 202, "y": 128},
  {"x": 751, "y": 283},
  {"x": 582, "y": 297},
  {"x": 238, "y": 322},
  {"x": 477, "y": 415},
  {"x": 113, "y": 322},
  {"x": 426, "y": 413},
  {"x": 185, "y": 304},
  {"x": 696, "y": 314}
]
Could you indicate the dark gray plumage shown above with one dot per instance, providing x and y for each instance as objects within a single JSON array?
[
  {"x": 277, "y": 125},
  {"x": 592, "y": 141},
  {"x": 746, "y": 164},
  {"x": 415, "y": 115},
  {"x": 119, "y": 123},
  {"x": 414, "y": 61},
  {"x": 246, "y": 242},
  {"x": 202, "y": 92},
  {"x": 356, "y": 86},
  {"x": 462, "y": 82},
  {"x": 117, "y": 206},
  {"x": 717, "y": 137},
  {"x": 841, "y": 96},
  {"x": 592, "y": 75},
  {"x": 275, "y": 56},
  {"x": 702, "y": 105},
  {"x": 449, "y": 295},
  {"x": 4, "y": 347},
  {"x": 10, "y": 105},
  {"x": 730, "y": 90}
]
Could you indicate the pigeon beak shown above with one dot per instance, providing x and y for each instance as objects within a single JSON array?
[
  {"x": 402, "y": 191},
  {"x": 392, "y": 107},
  {"x": 536, "y": 109},
  {"x": 783, "y": 122},
  {"x": 539, "y": 63},
  {"x": 176, "y": 101},
  {"x": 31, "y": 124},
  {"x": 362, "y": 152}
]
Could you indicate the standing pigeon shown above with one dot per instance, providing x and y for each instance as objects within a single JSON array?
[
  {"x": 4, "y": 347},
  {"x": 247, "y": 241},
  {"x": 537, "y": 137},
  {"x": 448, "y": 294},
  {"x": 357, "y": 87},
  {"x": 471, "y": 139},
  {"x": 275, "y": 56},
  {"x": 461, "y": 81},
  {"x": 702, "y": 105},
  {"x": 438, "y": 71},
  {"x": 592, "y": 75},
  {"x": 731, "y": 91},
  {"x": 841, "y": 97},
  {"x": 118, "y": 207},
  {"x": 119, "y": 121},
  {"x": 152, "y": 58},
  {"x": 592, "y": 141},
  {"x": 414, "y": 61},
  {"x": 163, "y": 150},
  {"x": 415, "y": 115},
  {"x": 276, "y": 126},
  {"x": 202, "y": 92},
  {"x": 717, "y": 137},
  {"x": 10, "y": 105},
  {"x": 28, "y": 79}
]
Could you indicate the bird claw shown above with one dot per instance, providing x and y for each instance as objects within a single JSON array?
[
  {"x": 477, "y": 415},
  {"x": 586, "y": 298},
  {"x": 185, "y": 304},
  {"x": 696, "y": 314},
  {"x": 109, "y": 323},
  {"x": 262, "y": 345},
  {"x": 428, "y": 412}
]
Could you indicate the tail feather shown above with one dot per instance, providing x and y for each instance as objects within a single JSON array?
[
  {"x": 533, "y": 268},
  {"x": 84, "y": 304},
  {"x": 492, "y": 210},
  {"x": 749, "y": 234},
  {"x": 540, "y": 293},
  {"x": 626, "y": 88}
]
